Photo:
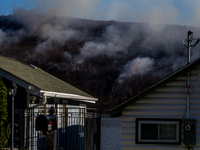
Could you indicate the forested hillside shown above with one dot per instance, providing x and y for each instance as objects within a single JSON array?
[{"x": 110, "y": 60}]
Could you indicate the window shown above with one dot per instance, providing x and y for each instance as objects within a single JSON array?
[{"x": 158, "y": 131}]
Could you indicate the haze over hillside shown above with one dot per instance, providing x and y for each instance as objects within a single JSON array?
[{"x": 110, "y": 60}]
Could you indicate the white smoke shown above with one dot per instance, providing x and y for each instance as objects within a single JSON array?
[
  {"x": 138, "y": 66},
  {"x": 58, "y": 33},
  {"x": 191, "y": 13},
  {"x": 153, "y": 45},
  {"x": 2, "y": 36},
  {"x": 10, "y": 37},
  {"x": 49, "y": 28},
  {"x": 149, "y": 11},
  {"x": 113, "y": 41}
]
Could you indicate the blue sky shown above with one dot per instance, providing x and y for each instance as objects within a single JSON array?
[{"x": 183, "y": 12}]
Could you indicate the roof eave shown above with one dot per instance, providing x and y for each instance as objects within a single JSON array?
[
  {"x": 117, "y": 110},
  {"x": 69, "y": 96}
]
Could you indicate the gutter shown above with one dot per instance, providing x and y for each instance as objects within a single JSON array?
[
  {"x": 47, "y": 94},
  {"x": 70, "y": 96}
]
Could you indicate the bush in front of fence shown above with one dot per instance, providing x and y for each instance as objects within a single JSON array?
[{"x": 5, "y": 129}]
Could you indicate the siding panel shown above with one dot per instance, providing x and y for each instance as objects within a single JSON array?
[
  {"x": 167, "y": 94},
  {"x": 168, "y": 101},
  {"x": 157, "y": 106},
  {"x": 156, "y": 147},
  {"x": 171, "y": 88},
  {"x": 159, "y": 112},
  {"x": 128, "y": 130},
  {"x": 155, "y": 100},
  {"x": 130, "y": 136}
]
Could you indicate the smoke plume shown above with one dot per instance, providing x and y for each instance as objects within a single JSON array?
[
  {"x": 137, "y": 66},
  {"x": 137, "y": 48}
]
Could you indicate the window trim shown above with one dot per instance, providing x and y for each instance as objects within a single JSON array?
[{"x": 139, "y": 121}]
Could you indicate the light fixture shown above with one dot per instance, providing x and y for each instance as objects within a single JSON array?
[
  {"x": 13, "y": 89},
  {"x": 33, "y": 98}
]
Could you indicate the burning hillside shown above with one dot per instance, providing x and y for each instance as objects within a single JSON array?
[{"x": 109, "y": 60}]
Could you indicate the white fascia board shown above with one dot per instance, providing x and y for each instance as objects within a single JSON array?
[{"x": 69, "y": 96}]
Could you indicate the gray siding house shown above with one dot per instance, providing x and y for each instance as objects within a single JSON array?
[
  {"x": 165, "y": 116},
  {"x": 38, "y": 91}
]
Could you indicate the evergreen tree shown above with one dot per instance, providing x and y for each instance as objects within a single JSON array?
[{"x": 5, "y": 129}]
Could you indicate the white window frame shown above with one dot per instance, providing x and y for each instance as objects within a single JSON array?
[{"x": 141, "y": 121}]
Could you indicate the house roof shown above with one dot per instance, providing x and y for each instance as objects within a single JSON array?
[
  {"x": 39, "y": 79},
  {"x": 117, "y": 110}
]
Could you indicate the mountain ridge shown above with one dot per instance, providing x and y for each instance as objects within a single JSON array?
[{"x": 110, "y": 60}]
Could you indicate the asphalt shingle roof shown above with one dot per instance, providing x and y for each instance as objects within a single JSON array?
[{"x": 37, "y": 77}]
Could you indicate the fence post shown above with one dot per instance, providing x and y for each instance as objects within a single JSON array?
[
  {"x": 99, "y": 131},
  {"x": 66, "y": 126}
]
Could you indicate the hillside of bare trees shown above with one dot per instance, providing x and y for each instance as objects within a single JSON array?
[{"x": 110, "y": 60}]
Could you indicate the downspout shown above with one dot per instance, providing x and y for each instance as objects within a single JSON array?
[
  {"x": 188, "y": 76},
  {"x": 44, "y": 101},
  {"x": 188, "y": 96}
]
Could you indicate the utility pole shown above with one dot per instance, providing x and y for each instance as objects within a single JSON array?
[
  {"x": 189, "y": 40},
  {"x": 188, "y": 87}
]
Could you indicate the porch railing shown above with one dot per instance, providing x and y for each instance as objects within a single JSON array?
[{"x": 78, "y": 129}]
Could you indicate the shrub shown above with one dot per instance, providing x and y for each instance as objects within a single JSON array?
[{"x": 5, "y": 129}]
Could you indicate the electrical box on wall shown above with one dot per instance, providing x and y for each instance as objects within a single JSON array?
[{"x": 189, "y": 129}]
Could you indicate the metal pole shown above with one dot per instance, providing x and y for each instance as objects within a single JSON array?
[
  {"x": 189, "y": 40},
  {"x": 188, "y": 79},
  {"x": 12, "y": 133},
  {"x": 188, "y": 52},
  {"x": 189, "y": 45},
  {"x": 188, "y": 97},
  {"x": 25, "y": 115},
  {"x": 66, "y": 127}
]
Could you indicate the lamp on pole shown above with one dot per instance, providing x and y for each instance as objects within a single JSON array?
[
  {"x": 12, "y": 92},
  {"x": 189, "y": 40}
]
